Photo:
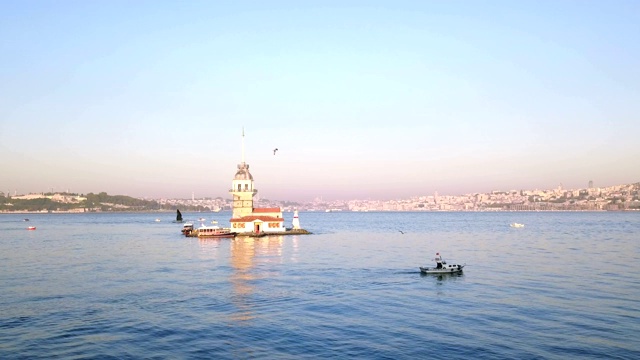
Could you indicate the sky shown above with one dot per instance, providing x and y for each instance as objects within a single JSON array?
[{"x": 363, "y": 99}]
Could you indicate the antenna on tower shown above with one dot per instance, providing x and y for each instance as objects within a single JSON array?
[{"x": 243, "y": 144}]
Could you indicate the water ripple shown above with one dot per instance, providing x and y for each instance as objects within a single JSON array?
[{"x": 565, "y": 286}]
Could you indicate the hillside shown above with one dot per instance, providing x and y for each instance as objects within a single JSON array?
[{"x": 65, "y": 202}]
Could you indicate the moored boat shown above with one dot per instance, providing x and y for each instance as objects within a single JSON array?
[
  {"x": 187, "y": 229},
  {"x": 516, "y": 225},
  {"x": 214, "y": 232},
  {"x": 31, "y": 228}
]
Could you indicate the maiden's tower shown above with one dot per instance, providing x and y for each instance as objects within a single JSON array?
[{"x": 246, "y": 219}]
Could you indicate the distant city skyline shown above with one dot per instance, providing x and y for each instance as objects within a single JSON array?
[
  {"x": 193, "y": 196},
  {"x": 373, "y": 100}
]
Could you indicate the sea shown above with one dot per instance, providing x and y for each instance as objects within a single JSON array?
[{"x": 126, "y": 286}]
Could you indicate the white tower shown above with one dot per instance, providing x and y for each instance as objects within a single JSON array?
[
  {"x": 242, "y": 189},
  {"x": 296, "y": 221}
]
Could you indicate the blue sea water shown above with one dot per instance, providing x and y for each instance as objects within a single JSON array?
[{"x": 123, "y": 286}]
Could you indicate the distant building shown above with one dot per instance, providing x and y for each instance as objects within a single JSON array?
[
  {"x": 63, "y": 198},
  {"x": 29, "y": 197},
  {"x": 245, "y": 218},
  {"x": 590, "y": 184}
]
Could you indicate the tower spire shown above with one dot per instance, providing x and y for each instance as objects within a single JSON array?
[{"x": 243, "y": 144}]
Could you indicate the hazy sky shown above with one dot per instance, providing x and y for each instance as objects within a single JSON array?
[{"x": 366, "y": 99}]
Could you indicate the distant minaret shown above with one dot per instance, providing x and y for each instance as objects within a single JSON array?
[
  {"x": 296, "y": 221},
  {"x": 193, "y": 196},
  {"x": 242, "y": 189},
  {"x": 590, "y": 184}
]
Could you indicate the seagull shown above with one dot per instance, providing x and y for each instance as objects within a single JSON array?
[
  {"x": 274, "y": 151},
  {"x": 401, "y": 232}
]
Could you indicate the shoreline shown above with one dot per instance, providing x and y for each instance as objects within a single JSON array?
[{"x": 46, "y": 212}]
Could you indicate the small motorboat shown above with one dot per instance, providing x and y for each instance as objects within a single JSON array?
[
  {"x": 442, "y": 267},
  {"x": 449, "y": 269},
  {"x": 157, "y": 220},
  {"x": 517, "y": 225},
  {"x": 187, "y": 229},
  {"x": 31, "y": 228}
]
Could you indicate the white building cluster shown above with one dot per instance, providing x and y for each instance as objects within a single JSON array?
[
  {"x": 619, "y": 197},
  {"x": 64, "y": 198}
]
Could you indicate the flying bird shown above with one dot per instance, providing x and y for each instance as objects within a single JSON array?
[
  {"x": 274, "y": 151},
  {"x": 401, "y": 232}
]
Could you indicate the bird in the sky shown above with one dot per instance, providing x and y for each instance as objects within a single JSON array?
[
  {"x": 274, "y": 151},
  {"x": 401, "y": 232}
]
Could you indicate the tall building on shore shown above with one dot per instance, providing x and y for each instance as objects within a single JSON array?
[{"x": 244, "y": 217}]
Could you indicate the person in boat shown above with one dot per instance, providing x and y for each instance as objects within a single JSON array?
[{"x": 438, "y": 260}]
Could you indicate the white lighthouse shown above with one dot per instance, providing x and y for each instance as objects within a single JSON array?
[{"x": 296, "y": 222}]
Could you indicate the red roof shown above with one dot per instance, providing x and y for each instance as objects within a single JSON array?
[
  {"x": 254, "y": 218},
  {"x": 266, "y": 210}
]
